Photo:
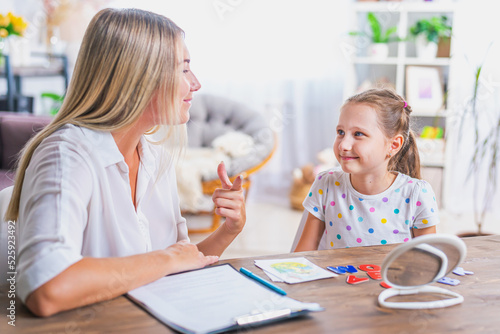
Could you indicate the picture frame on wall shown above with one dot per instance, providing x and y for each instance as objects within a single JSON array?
[{"x": 424, "y": 89}]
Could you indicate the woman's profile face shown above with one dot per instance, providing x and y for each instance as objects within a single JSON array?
[{"x": 188, "y": 84}]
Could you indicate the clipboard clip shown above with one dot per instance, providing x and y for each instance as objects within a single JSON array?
[{"x": 264, "y": 316}]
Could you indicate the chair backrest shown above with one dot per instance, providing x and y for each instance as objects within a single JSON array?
[
  {"x": 322, "y": 244},
  {"x": 5, "y": 195},
  {"x": 212, "y": 116}
]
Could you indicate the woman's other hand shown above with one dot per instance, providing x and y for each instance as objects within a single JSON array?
[
  {"x": 186, "y": 256},
  {"x": 230, "y": 201}
]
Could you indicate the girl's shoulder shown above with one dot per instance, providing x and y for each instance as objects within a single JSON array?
[
  {"x": 406, "y": 181},
  {"x": 331, "y": 175}
]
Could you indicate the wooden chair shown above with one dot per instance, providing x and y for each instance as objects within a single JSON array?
[{"x": 210, "y": 186}]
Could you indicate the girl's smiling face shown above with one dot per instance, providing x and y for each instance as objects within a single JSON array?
[{"x": 361, "y": 147}]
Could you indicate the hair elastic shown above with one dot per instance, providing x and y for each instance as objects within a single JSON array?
[{"x": 406, "y": 104}]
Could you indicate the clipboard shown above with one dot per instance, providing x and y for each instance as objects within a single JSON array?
[{"x": 214, "y": 300}]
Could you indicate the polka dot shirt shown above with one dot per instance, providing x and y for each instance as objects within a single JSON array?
[{"x": 353, "y": 219}]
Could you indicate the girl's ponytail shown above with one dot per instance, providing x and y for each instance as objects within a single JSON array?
[{"x": 407, "y": 160}]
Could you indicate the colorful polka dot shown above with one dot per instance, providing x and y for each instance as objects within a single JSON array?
[
  {"x": 395, "y": 231},
  {"x": 332, "y": 203},
  {"x": 385, "y": 199},
  {"x": 343, "y": 195},
  {"x": 340, "y": 215},
  {"x": 331, "y": 223},
  {"x": 407, "y": 200},
  {"x": 410, "y": 181},
  {"x": 330, "y": 172},
  {"x": 407, "y": 222},
  {"x": 360, "y": 199},
  {"x": 397, "y": 190},
  {"x": 319, "y": 177},
  {"x": 338, "y": 236},
  {"x": 360, "y": 219},
  {"x": 351, "y": 207},
  {"x": 348, "y": 227},
  {"x": 424, "y": 190},
  {"x": 337, "y": 183},
  {"x": 425, "y": 221},
  {"x": 415, "y": 227},
  {"x": 383, "y": 242},
  {"x": 406, "y": 240},
  {"x": 310, "y": 194},
  {"x": 324, "y": 208},
  {"x": 331, "y": 243},
  {"x": 372, "y": 209},
  {"x": 383, "y": 221},
  {"x": 432, "y": 209},
  {"x": 371, "y": 230},
  {"x": 320, "y": 191},
  {"x": 419, "y": 203},
  {"x": 396, "y": 211},
  {"x": 359, "y": 240},
  {"x": 316, "y": 209}
]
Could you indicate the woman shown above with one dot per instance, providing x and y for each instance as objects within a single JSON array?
[{"x": 96, "y": 202}]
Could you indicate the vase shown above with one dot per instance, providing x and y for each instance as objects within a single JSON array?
[
  {"x": 378, "y": 50},
  {"x": 2, "y": 50},
  {"x": 425, "y": 49},
  {"x": 19, "y": 50}
]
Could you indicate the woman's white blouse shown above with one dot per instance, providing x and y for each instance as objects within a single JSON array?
[{"x": 76, "y": 202}]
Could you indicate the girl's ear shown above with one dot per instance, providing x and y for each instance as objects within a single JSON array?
[{"x": 396, "y": 144}]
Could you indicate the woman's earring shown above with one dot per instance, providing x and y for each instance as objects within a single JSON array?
[{"x": 390, "y": 155}]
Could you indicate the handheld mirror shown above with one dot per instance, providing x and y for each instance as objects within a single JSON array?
[{"x": 412, "y": 266}]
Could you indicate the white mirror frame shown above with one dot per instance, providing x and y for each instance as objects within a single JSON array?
[{"x": 423, "y": 242}]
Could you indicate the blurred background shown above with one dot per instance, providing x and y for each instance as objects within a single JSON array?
[{"x": 295, "y": 62}]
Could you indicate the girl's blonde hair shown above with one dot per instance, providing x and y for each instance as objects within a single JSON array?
[
  {"x": 393, "y": 115},
  {"x": 126, "y": 56}
]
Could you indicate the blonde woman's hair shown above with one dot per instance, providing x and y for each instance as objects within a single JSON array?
[
  {"x": 393, "y": 115},
  {"x": 127, "y": 57}
]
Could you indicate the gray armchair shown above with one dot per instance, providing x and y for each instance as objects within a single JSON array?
[{"x": 213, "y": 116}]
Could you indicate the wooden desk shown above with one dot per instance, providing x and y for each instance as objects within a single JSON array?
[{"x": 349, "y": 308}]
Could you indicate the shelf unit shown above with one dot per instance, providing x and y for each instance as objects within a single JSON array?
[{"x": 393, "y": 68}]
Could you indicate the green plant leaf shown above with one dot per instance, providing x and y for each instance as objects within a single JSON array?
[
  {"x": 388, "y": 33},
  {"x": 53, "y": 96},
  {"x": 376, "y": 28}
]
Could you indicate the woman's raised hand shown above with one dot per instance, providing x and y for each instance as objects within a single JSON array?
[{"x": 229, "y": 201}]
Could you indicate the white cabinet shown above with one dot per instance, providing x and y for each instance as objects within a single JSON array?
[{"x": 393, "y": 71}]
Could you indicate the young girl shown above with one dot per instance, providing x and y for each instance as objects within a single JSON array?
[{"x": 377, "y": 198}]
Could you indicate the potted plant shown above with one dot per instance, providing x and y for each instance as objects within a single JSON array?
[
  {"x": 486, "y": 151},
  {"x": 428, "y": 33},
  {"x": 379, "y": 39},
  {"x": 51, "y": 102}
]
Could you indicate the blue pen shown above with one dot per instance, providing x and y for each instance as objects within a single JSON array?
[{"x": 262, "y": 281}]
